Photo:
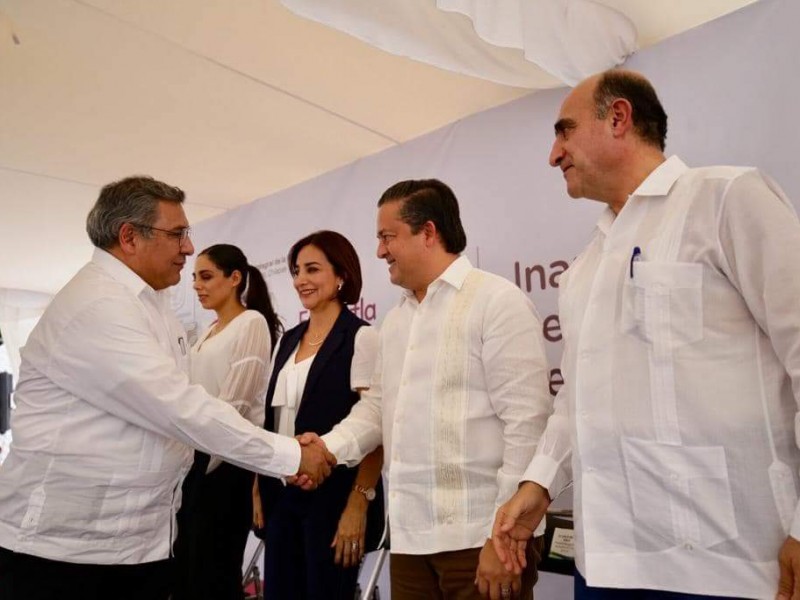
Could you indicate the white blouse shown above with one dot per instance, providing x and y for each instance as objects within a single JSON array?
[
  {"x": 291, "y": 381},
  {"x": 233, "y": 365}
]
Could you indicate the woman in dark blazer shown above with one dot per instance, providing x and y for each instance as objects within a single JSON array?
[{"x": 315, "y": 540}]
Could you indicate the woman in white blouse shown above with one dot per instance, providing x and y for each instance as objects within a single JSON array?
[
  {"x": 231, "y": 361},
  {"x": 315, "y": 540}
]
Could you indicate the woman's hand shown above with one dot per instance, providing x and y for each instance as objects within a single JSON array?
[
  {"x": 258, "y": 513},
  {"x": 349, "y": 538}
]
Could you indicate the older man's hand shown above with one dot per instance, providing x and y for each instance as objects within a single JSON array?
[
  {"x": 315, "y": 462},
  {"x": 515, "y": 523},
  {"x": 789, "y": 563}
]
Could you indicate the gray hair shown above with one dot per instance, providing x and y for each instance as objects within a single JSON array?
[{"x": 130, "y": 200}]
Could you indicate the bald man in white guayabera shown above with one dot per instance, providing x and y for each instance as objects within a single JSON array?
[
  {"x": 681, "y": 319},
  {"x": 106, "y": 419},
  {"x": 459, "y": 399}
]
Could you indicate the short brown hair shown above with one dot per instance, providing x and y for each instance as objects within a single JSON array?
[
  {"x": 341, "y": 254},
  {"x": 426, "y": 200}
]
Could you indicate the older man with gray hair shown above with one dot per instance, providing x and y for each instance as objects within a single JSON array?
[{"x": 106, "y": 418}]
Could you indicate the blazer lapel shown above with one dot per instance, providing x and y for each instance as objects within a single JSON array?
[{"x": 329, "y": 347}]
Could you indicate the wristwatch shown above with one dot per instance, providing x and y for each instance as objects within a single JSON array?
[{"x": 368, "y": 493}]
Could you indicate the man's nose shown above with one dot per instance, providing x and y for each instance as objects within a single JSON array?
[{"x": 556, "y": 154}]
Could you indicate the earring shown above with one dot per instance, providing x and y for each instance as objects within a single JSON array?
[{"x": 339, "y": 287}]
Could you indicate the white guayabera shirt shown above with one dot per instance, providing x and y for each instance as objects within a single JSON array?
[
  {"x": 104, "y": 423},
  {"x": 677, "y": 421},
  {"x": 459, "y": 398}
]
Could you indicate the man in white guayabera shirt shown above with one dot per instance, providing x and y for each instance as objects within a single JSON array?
[
  {"x": 678, "y": 421},
  {"x": 458, "y": 400},
  {"x": 106, "y": 419}
]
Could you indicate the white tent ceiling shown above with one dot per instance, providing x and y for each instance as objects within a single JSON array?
[{"x": 231, "y": 101}]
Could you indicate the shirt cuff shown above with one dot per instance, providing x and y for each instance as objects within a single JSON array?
[
  {"x": 794, "y": 531},
  {"x": 285, "y": 455},
  {"x": 338, "y": 445},
  {"x": 360, "y": 383},
  {"x": 547, "y": 473}
]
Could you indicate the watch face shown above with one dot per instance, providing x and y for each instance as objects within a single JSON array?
[{"x": 368, "y": 493}]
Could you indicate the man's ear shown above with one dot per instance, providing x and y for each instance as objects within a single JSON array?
[
  {"x": 431, "y": 234},
  {"x": 127, "y": 238},
  {"x": 620, "y": 115}
]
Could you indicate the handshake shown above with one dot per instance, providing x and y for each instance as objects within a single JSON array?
[{"x": 315, "y": 462}]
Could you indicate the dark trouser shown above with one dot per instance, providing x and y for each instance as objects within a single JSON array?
[
  {"x": 584, "y": 592},
  {"x": 298, "y": 559},
  {"x": 25, "y": 577},
  {"x": 213, "y": 525},
  {"x": 450, "y": 575}
]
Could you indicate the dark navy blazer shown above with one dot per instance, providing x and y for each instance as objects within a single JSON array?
[{"x": 327, "y": 399}]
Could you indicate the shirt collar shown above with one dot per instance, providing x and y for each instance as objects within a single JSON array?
[
  {"x": 120, "y": 272},
  {"x": 454, "y": 275},
  {"x": 658, "y": 183},
  {"x": 663, "y": 177}
]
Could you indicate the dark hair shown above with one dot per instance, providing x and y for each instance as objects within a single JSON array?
[
  {"x": 341, "y": 254},
  {"x": 229, "y": 258},
  {"x": 429, "y": 200},
  {"x": 649, "y": 118},
  {"x": 130, "y": 200}
]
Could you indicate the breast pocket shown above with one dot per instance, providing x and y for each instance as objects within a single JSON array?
[{"x": 663, "y": 303}]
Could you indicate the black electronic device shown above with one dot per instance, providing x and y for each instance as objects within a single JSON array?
[{"x": 6, "y": 387}]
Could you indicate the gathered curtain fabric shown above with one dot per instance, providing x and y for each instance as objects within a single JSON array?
[{"x": 521, "y": 43}]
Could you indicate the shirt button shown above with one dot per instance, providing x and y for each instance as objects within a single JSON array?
[
  {"x": 688, "y": 546},
  {"x": 673, "y": 476}
]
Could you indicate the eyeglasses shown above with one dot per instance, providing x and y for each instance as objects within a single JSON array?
[{"x": 181, "y": 235}]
